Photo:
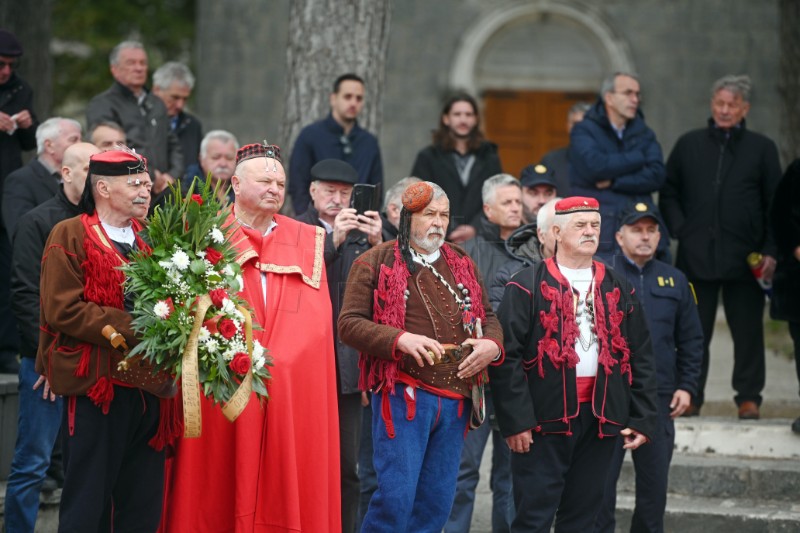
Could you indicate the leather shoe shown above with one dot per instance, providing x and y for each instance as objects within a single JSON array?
[
  {"x": 692, "y": 410},
  {"x": 796, "y": 426},
  {"x": 748, "y": 411}
]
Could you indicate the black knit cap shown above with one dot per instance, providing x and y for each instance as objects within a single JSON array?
[
  {"x": 9, "y": 45},
  {"x": 110, "y": 163}
]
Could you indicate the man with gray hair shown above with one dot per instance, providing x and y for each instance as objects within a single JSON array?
[
  {"x": 217, "y": 161},
  {"x": 615, "y": 158},
  {"x": 393, "y": 204},
  {"x": 173, "y": 83},
  {"x": 39, "y": 180},
  {"x": 502, "y": 214},
  {"x": 143, "y": 116},
  {"x": 720, "y": 182}
]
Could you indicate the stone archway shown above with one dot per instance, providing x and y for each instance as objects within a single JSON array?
[{"x": 539, "y": 45}]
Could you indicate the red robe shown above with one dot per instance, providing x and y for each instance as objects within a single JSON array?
[{"x": 276, "y": 468}]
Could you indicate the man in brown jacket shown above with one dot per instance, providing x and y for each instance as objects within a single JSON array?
[
  {"x": 418, "y": 312},
  {"x": 113, "y": 475}
]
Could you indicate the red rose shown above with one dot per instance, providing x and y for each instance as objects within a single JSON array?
[
  {"x": 213, "y": 255},
  {"x": 226, "y": 328},
  {"x": 198, "y": 199},
  {"x": 217, "y": 296},
  {"x": 240, "y": 363}
]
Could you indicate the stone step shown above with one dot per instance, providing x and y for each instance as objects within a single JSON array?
[
  {"x": 692, "y": 514},
  {"x": 723, "y": 436},
  {"x": 705, "y": 476}
]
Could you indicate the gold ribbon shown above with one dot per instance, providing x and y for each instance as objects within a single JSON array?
[{"x": 190, "y": 374}]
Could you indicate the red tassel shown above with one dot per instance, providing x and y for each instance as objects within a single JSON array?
[
  {"x": 82, "y": 370},
  {"x": 170, "y": 424},
  {"x": 102, "y": 393}
]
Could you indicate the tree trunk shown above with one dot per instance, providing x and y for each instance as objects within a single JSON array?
[
  {"x": 30, "y": 21},
  {"x": 328, "y": 38},
  {"x": 789, "y": 79}
]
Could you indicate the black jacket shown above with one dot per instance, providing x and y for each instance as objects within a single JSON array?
[
  {"x": 338, "y": 262},
  {"x": 147, "y": 127},
  {"x": 715, "y": 202},
  {"x": 785, "y": 221},
  {"x": 524, "y": 249},
  {"x": 531, "y": 392},
  {"x": 25, "y": 188},
  {"x": 32, "y": 232},
  {"x": 673, "y": 322},
  {"x": 436, "y": 165},
  {"x": 487, "y": 250},
  {"x": 190, "y": 134},
  {"x": 16, "y": 95}
]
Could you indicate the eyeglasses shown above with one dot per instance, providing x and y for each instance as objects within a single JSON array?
[
  {"x": 347, "y": 148},
  {"x": 10, "y": 64},
  {"x": 630, "y": 93}
]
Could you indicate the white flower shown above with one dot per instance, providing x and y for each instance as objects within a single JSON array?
[
  {"x": 258, "y": 351},
  {"x": 258, "y": 364},
  {"x": 216, "y": 235},
  {"x": 165, "y": 264},
  {"x": 228, "y": 270},
  {"x": 204, "y": 334},
  {"x": 180, "y": 259},
  {"x": 228, "y": 307},
  {"x": 161, "y": 309},
  {"x": 212, "y": 345},
  {"x": 240, "y": 283},
  {"x": 228, "y": 355},
  {"x": 201, "y": 253}
]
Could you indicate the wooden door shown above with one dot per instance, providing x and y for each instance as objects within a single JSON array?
[{"x": 527, "y": 124}]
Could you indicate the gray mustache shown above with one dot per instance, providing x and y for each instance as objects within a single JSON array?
[{"x": 140, "y": 201}]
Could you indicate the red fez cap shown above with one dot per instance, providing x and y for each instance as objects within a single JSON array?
[
  {"x": 577, "y": 204},
  {"x": 117, "y": 163},
  {"x": 417, "y": 196},
  {"x": 251, "y": 151}
]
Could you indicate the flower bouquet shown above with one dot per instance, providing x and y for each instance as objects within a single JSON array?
[{"x": 187, "y": 312}]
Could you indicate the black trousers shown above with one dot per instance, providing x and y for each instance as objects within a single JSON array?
[
  {"x": 743, "y": 302},
  {"x": 651, "y": 464},
  {"x": 114, "y": 481},
  {"x": 563, "y": 477},
  {"x": 350, "y": 418}
]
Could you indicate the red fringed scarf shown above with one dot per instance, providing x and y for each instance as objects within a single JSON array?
[
  {"x": 392, "y": 284},
  {"x": 103, "y": 285}
]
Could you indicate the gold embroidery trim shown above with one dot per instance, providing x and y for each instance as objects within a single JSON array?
[{"x": 316, "y": 271}]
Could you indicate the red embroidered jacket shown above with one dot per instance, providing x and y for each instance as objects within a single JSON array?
[{"x": 535, "y": 387}]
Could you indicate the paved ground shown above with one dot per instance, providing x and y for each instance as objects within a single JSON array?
[{"x": 781, "y": 400}]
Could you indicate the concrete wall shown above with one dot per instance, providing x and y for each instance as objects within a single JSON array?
[{"x": 678, "y": 47}]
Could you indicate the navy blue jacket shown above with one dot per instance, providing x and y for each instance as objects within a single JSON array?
[
  {"x": 634, "y": 164},
  {"x": 671, "y": 314},
  {"x": 323, "y": 140}
]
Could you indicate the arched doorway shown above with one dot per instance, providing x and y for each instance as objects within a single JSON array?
[{"x": 529, "y": 63}]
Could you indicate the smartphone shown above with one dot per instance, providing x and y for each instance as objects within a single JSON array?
[{"x": 366, "y": 197}]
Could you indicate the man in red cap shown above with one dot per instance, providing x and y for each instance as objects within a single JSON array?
[
  {"x": 276, "y": 468},
  {"x": 417, "y": 311},
  {"x": 113, "y": 450},
  {"x": 579, "y": 367}
]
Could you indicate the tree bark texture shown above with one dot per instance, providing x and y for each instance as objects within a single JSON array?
[
  {"x": 328, "y": 38},
  {"x": 789, "y": 79},
  {"x": 30, "y": 21}
]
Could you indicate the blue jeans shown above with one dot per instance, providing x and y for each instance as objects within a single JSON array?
[
  {"x": 469, "y": 474},
  {"x": 418, "y": 466},
  {"x": 37, "y": 429}
]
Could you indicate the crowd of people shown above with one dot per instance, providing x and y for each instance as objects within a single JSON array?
[{"x": 542, "y": 310}]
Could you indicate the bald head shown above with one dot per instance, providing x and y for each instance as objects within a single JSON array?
[{"x": 75, "y": 167}]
